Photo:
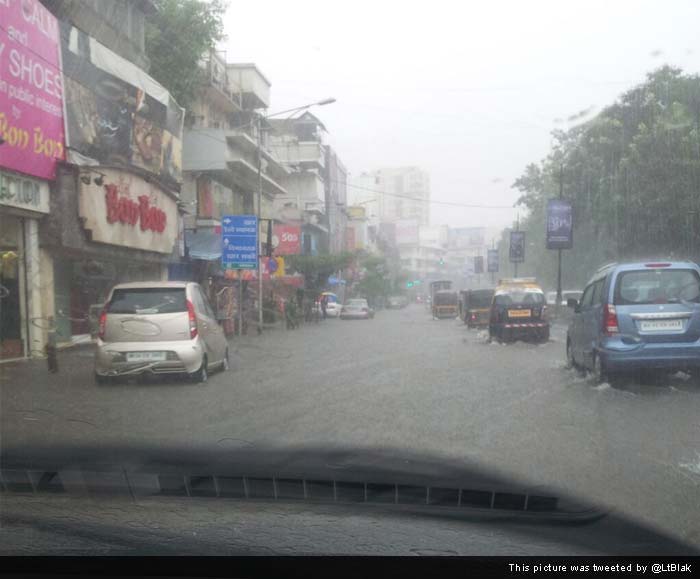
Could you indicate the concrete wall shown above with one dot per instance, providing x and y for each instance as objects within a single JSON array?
[{"x": 118, "y": 24}]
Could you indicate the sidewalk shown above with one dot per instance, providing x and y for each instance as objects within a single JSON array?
[{"x": 76, "y": 361}]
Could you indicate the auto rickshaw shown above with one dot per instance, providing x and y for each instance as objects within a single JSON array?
[
  {"x": 445, "y": 304},
  {"x": 475, "y": 307}
]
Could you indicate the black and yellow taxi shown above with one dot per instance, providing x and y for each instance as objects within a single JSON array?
[{"x": 519, "y": 311}]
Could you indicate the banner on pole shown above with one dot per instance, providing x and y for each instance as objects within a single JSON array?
[
  {"x": 517, "y": 246},
  {"x": 559, "y": 224},
  {"x": 492, "y": 260}
]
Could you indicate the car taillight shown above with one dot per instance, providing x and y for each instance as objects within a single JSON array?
[
  {"x": 193, "y": 319},
  {"x": 610, "y": 326},
  {"x": 657, "y": 265},
  {"x": 365, "y": 309},
  {"x": 102, "y": 325}
]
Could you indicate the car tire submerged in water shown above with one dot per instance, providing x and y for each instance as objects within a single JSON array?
[
  {"x": 599, "y": 373},
  {"x": 201, "y": 375}
]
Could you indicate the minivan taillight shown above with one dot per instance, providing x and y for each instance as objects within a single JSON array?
[
  {"x": 610, "y": 326},
  {"x": 102, "y": 328},
  {"x": 193, "y": 320}
]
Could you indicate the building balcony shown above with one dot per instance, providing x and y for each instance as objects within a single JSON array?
[
  {"x": 231, "y": 157},
  {"x": 248, "y": 82},
  {"x": 217, "y": 87},
  {"x": 303, "y": 154}
]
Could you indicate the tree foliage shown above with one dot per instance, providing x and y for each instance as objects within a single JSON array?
[
  {"x": 633, "y": 176},
  {"x": 317, "y": 268},
  {"x": 177, "y": 37}
]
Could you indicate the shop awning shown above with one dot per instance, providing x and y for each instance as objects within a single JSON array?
[{"x": 203, "y": 244}]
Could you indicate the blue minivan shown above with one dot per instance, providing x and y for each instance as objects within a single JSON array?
[{"x": 637, "y": 316}]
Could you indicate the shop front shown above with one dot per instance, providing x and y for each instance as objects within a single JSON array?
[
  {"x": 126, "y": 230},
  {"x": 23, "y": 202}
]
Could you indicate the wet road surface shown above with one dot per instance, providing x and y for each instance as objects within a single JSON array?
[{"x": 401, "y": 380}]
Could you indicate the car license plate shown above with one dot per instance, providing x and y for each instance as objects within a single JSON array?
[
  {"x": 145, "y": 356},
  {"x": 660, "y": 325},
  {"x": 518, "y": 313}
]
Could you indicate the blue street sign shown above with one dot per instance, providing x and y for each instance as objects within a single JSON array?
[{"x": 239, "y": 242}]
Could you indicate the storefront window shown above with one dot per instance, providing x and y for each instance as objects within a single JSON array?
[
  {"x": 82, "y": 287},
  {"x": 11, "y": 340}
]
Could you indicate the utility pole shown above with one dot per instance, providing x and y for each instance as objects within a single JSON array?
[
  {"x": 517, "y": 228},
  {"x": 561, "y": 196},
  {"x": 259, "y": 212},
  {"x": 259, "y": 119}
]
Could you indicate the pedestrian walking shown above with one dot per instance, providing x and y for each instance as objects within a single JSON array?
[{"x": 291, "y": 314}]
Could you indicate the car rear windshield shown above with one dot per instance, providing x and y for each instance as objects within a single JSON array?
[
  {"x": 480, "y": 299},
  {"x": 357, "y": 303},
  {"x": 144, "y": 301},
  {"x": 657, "y": 286},
  {"x": 520, "y": 298}
]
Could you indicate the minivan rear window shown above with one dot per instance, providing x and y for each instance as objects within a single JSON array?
[
  {"x": 144, "y": 301},
  {"x": 657, "y": 286}
]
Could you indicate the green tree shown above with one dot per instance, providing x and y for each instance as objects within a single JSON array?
[
  {"x": 632, "y": 174},
  {"x": 374, "y": 284},
  {"x": 317, "y": 268},
  {"x": 177, "y": 37}
]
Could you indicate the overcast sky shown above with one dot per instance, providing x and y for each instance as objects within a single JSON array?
[{"x": 469, "y": 91}]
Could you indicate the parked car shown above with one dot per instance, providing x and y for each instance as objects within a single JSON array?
[
  {"x": 397, "y": 302},
  {"x": 519, "y": 311},
  {"x": 159, "y": 328},
  {"x": 635, "y": 316},
  {"x": 356, "y": 309}
]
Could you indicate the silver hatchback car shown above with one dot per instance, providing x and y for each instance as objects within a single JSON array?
[{"x": 159, "y": 328}]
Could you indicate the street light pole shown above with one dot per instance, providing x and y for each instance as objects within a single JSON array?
[
  {"x": 561, "y": 196},
  {"x": 517, "y": 228},
  {"x": 260, "y": 274},
  {"x": 259, "y": 119}
]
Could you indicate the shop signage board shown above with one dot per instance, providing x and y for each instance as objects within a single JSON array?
[
  {"x": 116, "y": 113},
  {"x": 126, "y": 210},
  {"x": 286, "y": 239},
  {"x": 23, "y": 192},
  {"x": 31, "y": 89},
  {"x": 239, "y": 242}
]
